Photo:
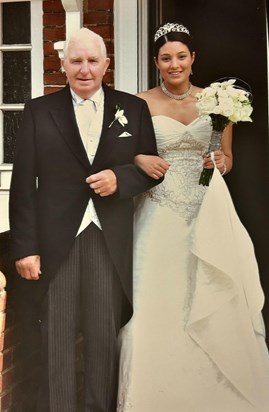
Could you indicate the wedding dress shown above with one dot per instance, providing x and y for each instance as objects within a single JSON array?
[{"x": 196, "y": 340}]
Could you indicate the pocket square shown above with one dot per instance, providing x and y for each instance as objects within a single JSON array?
[{"x": 125, "y": 134}]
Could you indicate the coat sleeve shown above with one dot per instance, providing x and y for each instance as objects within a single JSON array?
[
  {"x": 131, "y": 179},
  {"x": 22, "y": 204}
]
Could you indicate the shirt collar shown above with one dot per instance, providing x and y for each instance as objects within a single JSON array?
[{"x": 97, "y": 97}]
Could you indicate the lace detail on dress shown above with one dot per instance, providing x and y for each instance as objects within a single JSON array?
[
  {"x": 180, "y": 190},
  {"x": 190, "y": 284}
]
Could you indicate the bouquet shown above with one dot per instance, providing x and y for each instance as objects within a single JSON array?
[{"x": 224, "y": 102}]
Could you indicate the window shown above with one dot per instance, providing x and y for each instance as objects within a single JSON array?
[{"x": 21, "y": 77}]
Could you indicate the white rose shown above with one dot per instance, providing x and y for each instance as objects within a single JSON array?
[
  {"x": 206, "y": 105},
  {"x": 225, "y": 107}
]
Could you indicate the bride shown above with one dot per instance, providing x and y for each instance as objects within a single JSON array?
[{"x": 196, "y": 340}]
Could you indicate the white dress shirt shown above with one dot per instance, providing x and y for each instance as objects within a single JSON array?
[{"x": 91, "y": 142}]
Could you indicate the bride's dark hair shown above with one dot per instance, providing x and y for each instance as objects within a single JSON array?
[{"x": 173, "y": 36}]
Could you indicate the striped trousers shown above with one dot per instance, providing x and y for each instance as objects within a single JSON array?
[{"x": 85, "y": 296}]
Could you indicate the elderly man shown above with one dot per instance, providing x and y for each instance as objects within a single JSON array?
[{"x": 71, "y": 217}]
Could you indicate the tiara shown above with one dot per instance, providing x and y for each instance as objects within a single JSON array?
[{"x": 168, "y": 27}]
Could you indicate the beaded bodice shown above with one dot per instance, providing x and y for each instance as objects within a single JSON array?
[{"x": 182, "y": 146}]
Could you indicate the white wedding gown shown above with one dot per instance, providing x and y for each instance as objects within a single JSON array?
[{"x": 196, "y": 340}]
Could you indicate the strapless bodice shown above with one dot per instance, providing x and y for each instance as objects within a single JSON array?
[
  {"x": 182, "y": 146},
  {"x": 174, "y": 137}
]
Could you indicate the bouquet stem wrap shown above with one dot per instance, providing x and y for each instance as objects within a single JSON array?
[{"x": 215, "y": 144}]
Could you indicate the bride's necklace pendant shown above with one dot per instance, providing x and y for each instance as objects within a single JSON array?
[{"x": 176, "y": 96}]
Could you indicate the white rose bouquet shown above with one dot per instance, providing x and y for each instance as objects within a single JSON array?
[{"x": 224, "y": 102}]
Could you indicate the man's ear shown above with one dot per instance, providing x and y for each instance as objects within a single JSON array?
[
  {"x": 107, "y": 63},
  {"x": 62, "y": 66}
]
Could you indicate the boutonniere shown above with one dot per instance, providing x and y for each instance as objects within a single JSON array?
[{"x": 119, "y": 116}]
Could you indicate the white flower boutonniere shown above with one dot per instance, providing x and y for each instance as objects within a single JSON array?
[{"x": 119, "y": 116}]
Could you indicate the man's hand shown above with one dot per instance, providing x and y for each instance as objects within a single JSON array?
[
  {"x": 29, "y": 267},
  {"x": 103, "y": 183}
]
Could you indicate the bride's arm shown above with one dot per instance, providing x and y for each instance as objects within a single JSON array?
[{"x": 153, "y": 166}]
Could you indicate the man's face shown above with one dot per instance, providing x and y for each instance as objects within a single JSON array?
[{"x": 85, "y": 67}]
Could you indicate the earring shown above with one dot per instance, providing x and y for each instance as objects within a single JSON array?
[{"x": 191, "y": 71}]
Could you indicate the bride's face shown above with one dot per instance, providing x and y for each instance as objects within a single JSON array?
[{"x": 174, "y": 62}]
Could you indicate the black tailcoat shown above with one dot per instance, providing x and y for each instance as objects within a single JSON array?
[{"x": 49, "y": 195}]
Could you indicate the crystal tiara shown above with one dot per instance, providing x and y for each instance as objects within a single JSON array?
[{"x": 168, "y": 27}]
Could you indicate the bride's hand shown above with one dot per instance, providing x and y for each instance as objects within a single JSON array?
[
  {"x": 153, "y": 166},
  {"x": 219, "y": 158}
]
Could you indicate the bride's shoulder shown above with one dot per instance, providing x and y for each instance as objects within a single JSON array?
[
  {"x": 149, "y": 95},
  {"x": 196, "y": 89}
]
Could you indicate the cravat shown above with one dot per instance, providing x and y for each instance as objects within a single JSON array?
[{"x": 84, "y": 114}]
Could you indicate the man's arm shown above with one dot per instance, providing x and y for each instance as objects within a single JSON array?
[{"x": 22, "y": 203}]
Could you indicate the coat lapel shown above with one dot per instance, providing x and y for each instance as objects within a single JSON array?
[
  {"x": 64, "y": 117},
  {"x": 109, "y": 113}
]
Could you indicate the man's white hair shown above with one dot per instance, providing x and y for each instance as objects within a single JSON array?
[{"x": 86, "y": 36}]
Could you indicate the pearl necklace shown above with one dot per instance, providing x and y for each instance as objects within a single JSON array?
[{"x": 176, "y": 96}]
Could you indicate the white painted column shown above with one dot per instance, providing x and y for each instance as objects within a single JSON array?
[{"x": 126, "y": 45}]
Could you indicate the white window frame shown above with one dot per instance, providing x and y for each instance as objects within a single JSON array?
[{"x": 37, "y": 89}]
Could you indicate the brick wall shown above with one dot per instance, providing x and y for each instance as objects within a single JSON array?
[
  {"x": 20, "y": 358},
  {"x": 98, "y": 16},
  {"x": 53, "y": 31}
]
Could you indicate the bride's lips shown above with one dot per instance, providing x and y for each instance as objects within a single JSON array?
[{"x": 175, "y": 73}]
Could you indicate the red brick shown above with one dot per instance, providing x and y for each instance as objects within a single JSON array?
[
  {"x": 52, "y": 6},
  {"x": 55, "y": 34},
  {"x": 52, "y": 64},
  {"x": 99, "y": 4},
  {"x": 98, "y": 17},
  {"x": 54, "y": 19},
  {"x": 111, "y": 65},
  {"x": 10, "y": 336},
  {"x": 5, "y": 401},
  {"x": 54, "y": 79},
  {"x": 109, "y": 46},
  {"x": 49, "y": 50},
  {"x": 109, "y": 77},
  {"x": 9, "y": 377},
  {"x": 7, "y": 359}
]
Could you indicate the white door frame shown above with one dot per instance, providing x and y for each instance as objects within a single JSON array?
[{"x": 131, "y": 45}]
